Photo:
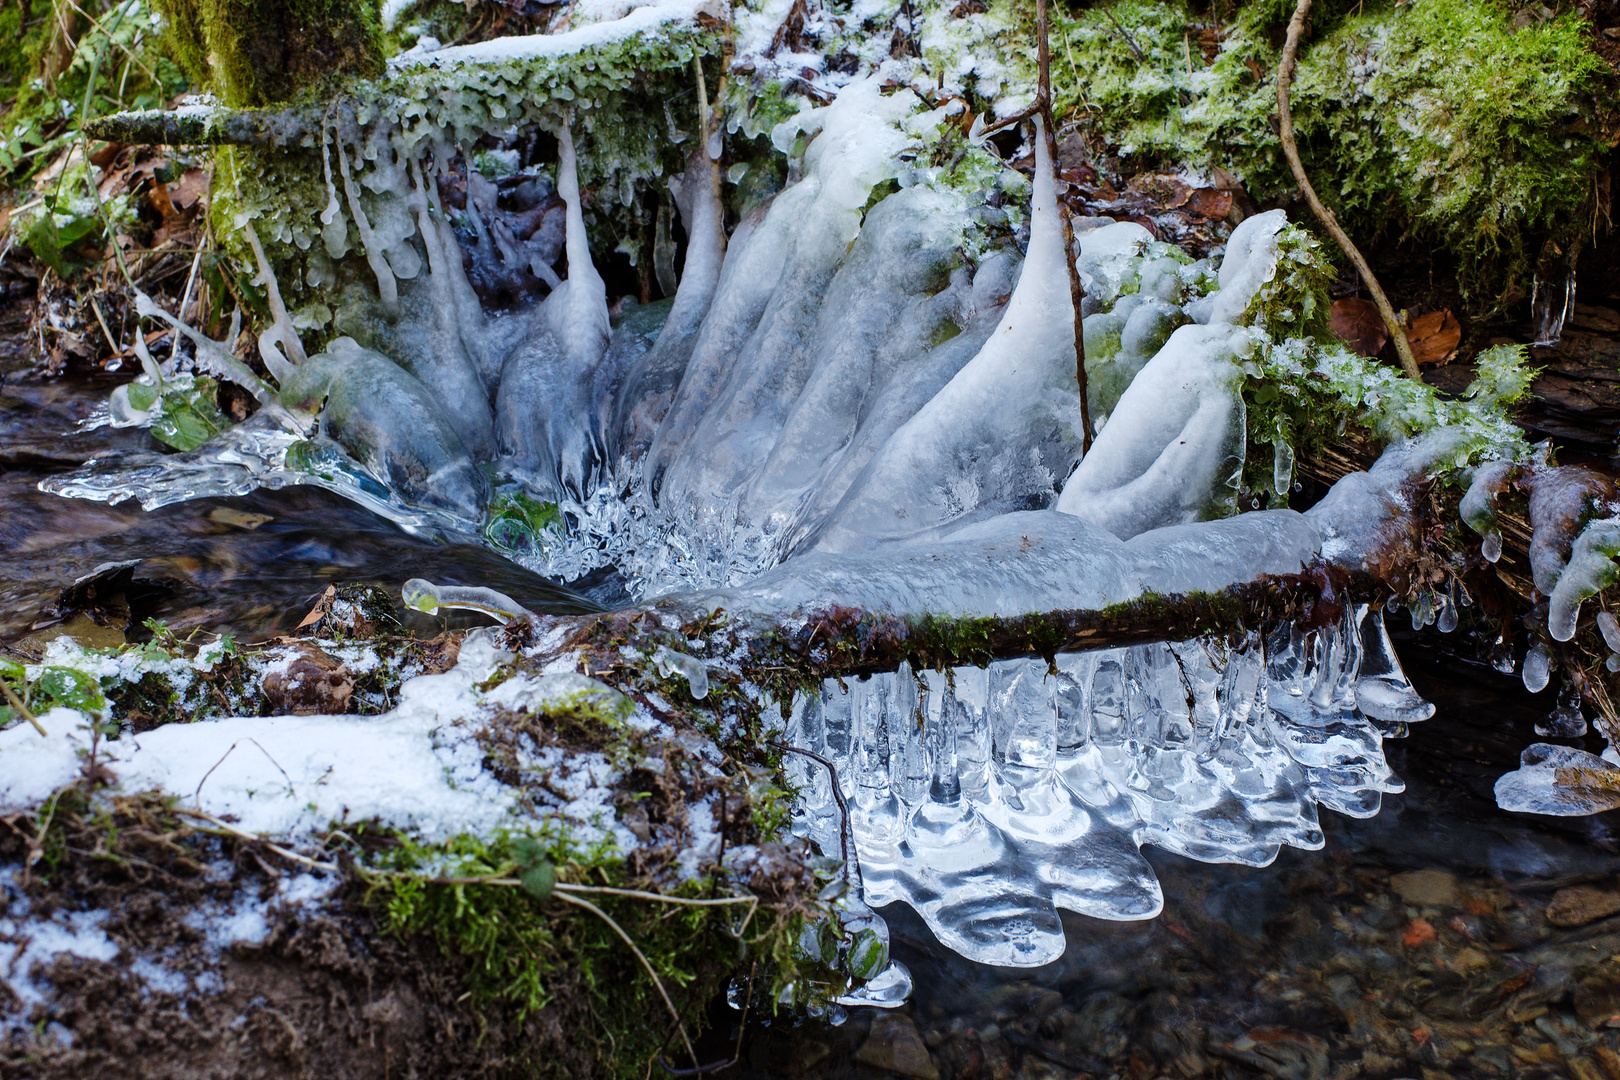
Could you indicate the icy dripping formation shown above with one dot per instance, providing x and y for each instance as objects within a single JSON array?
[{"x": 989, "y": 798}]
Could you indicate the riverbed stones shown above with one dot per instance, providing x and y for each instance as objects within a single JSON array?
[
  {"x": 1426, "y": 888},
  {"x": 894, "y": 1044},
  {"x": 1578, "y": 905}
]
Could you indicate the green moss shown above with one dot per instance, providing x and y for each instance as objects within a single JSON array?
[
  {"x": 1435, "y": 117},
  {"x": 259, "y": 52},
  {"x": 1302, "y": 387}
]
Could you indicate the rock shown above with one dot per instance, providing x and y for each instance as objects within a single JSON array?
[
  {"x": 1426, "y": 888},
  {"x": 895, "y": 1045},
  {"x": 1418, "y": 932},
  {"x": 1581, "y": 904}
]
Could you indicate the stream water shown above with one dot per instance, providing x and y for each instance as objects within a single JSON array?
[
  {"x": 1417, "y": 943},
  {"x": 1443, "y": 937}
]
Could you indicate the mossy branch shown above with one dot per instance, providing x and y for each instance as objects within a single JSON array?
[{"x": 1285, "y": 79}]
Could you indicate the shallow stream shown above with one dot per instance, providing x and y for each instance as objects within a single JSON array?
[{"x": 1443, "y": 937}]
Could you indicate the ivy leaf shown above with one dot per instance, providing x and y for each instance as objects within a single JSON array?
[
  {"x": 868, "y": 955},
  {"x": 142, "y": 396},
  {"x": 75, "y": 689},
  {"x": 188, "y": 416}
]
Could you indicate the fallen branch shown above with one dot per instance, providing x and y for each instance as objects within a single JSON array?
[{"x": 1285, "y": 79}]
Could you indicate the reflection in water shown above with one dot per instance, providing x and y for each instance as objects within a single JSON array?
[{"x": 251, "y": 566}]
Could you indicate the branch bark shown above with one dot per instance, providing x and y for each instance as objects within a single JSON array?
[{"x": 1285, "y": 80}]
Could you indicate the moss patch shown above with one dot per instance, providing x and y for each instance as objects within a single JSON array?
[
  {"x": 267, "y": 51},
  {"x": 1439, "y": 118}
]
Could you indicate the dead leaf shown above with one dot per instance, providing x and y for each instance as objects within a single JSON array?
[
  {"x": 229, "y": 515},
  {"x": 1357, "y": 321},
  {"x": 322, "y": 608},
  {"x": 1165, "y": 191},
  {"x": 1212, "y": 203},
  {"x": 1434, "y": 337}
]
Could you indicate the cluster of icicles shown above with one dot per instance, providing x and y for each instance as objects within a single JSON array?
[{"x": 988, "y": 798}]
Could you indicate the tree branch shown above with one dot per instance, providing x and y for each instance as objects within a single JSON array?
[{"x": 1285, "y": 79}]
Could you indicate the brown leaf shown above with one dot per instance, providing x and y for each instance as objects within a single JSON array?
[
  {"x": 322, "y": 608},
  {"x": 1166, "y": 192},
  {"x": 1434, "y": 337},
  {"x": 1210, "y": 202},
  {"x": 1357, "y": 321}
]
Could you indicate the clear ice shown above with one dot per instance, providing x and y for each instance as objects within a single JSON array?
[{"x": 987, "y": 799}]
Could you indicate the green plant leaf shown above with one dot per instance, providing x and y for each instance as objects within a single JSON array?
[
  {"x": 75, "y": 689},
  {"x": 868, "y": 955}
]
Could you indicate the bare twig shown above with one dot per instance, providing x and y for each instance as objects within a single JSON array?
[
  {"x": 228, "y": 829},
  {"x": 1077, "y": 291},
  {"x": 646, "y": 965},
  {"x": 1140, "y": 56},
  {"x": 16, "y": 703},
  {"x": 1285, "y": 79}
]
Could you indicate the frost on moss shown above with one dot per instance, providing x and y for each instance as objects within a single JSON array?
[
  {"x": 1480, "y": 137},
  {"x": 1303, "y": 386}
]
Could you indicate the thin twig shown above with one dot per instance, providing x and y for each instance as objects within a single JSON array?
[
  {"x": 242, "y": 834},
  {"x": 1140, "y": 55},
  {"x": 1077, "y": 290},
  {"x": 185, "y": 301},
  {"x": 111, "y": 343},
  {"x": 657, "y": 982},
  {"x": 16, "y": 703},
  {"x": 1008, "y": 121},
  {"x": 1285, "y": 79},
  {"x": 846, "y": 839}
]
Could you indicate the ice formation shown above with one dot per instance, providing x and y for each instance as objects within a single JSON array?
[
  {"x": 865, "y": 395},
  {"x": 988, "y": 798}
]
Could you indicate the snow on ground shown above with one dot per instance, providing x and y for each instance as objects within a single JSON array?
[{"x": 418, "y": 767}]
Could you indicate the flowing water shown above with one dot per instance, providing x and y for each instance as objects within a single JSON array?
[{"x": 250, "y": 566}]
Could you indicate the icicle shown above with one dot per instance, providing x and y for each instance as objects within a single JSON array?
[
  {"x": 1073, "y": 703},
  {"x": 1536, "y": 668},
  {"x": 1023, "y": 714},
  {"x": 971, "y": 689},
  {"x": 387, "y": 287},
  {"x": 945, "y": 782},
  {"x": 1282, "y": 468},
  {"x": 1566, "y": 721},
  {"x": 1108, "y": 699},
  {"x": 213, "y": 356},
  {"x": 334, "y": 229},
  {"x": 281, "y": 327},
  {"x": 1551, "y": 304},
  {"x": 690, "y": 668},
  {"x": 907, "y": 706},
  {"x": 1609, "y": 627},
  {"x": 427, "y": 597},
  {"x": 1448, "y": 616},
  {"x": 1591, "y": 569}
]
